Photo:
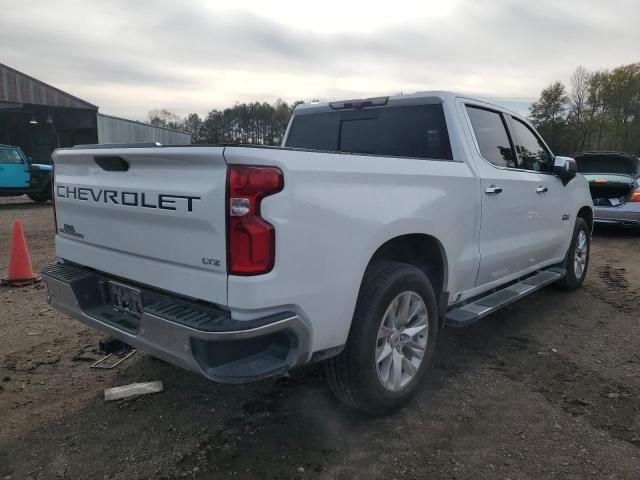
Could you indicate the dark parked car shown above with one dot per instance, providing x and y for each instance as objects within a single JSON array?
[{"x": 614, "y": 182}]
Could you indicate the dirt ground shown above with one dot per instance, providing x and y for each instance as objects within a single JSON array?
[{"x": 548, "y": 388}]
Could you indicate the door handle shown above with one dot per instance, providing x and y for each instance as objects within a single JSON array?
[
  {"x": 541, "y": 189},
  {"x": 493, "y": 190}
]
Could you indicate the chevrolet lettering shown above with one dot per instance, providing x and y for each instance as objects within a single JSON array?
[{"x": 165, "y": 201}]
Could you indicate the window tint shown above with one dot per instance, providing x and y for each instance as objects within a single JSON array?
[
  {"x": 359, "y": 135},
  {"x": 492, "y": 137},
  {"x": 315, "y": 132},
  {"x": 412, "y": 131},
  {"x": 10, "y": 156},
  {"x": 533, "y": 154}
]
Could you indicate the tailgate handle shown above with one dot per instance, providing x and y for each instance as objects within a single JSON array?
[{"x": 112, "y": 163}]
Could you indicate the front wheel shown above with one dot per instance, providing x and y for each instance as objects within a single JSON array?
[
  {"x": 391, "y": 342},
  {"x": 577, "y": 260}
]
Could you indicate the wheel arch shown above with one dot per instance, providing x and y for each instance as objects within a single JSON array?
[
  {"x": 423, "y": 251},
  {"x": 586, "y": 213}
]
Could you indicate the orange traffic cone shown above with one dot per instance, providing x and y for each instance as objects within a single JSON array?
[{"x": 20, "y": 271}]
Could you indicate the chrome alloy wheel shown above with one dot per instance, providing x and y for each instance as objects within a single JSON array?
[
  {"x": 402, "y": 340},
  {"x": 580, "y": 254}
]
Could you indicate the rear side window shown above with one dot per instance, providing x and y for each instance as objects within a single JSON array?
[
  {"x": 417, "y": 131},
  {"x": 534, "y": 156},
  {"x": 492, "y": 137},
  {"x": 10, "y": 156}
]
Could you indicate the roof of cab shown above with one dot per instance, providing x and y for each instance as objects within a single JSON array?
[{"x": 424, "y": 97}]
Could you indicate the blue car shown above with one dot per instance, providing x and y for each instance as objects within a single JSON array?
[{"x": 18, "y": 176}]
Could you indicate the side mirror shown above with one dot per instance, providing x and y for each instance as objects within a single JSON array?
[{"x": 566, "y": 168}]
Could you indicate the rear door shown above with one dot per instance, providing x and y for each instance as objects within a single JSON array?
[
  {"x": 155, "y": 216},
  {"x": 553, "y": 221},
  {"x": 509, "y": 237},
  {"x": 14, "y": 169}
]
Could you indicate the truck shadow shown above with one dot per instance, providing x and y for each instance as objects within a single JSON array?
[
  {"x": 613, "y": 231},
  {"x": 280, "y": 429},
  {"x": 24, "y": 206}
]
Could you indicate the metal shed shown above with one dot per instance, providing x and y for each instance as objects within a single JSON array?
[
  {"x": 39, "y": 118},
  {"x": 120, "y": 130}
]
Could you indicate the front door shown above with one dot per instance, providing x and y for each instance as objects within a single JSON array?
[
  {"x": 509, "y": 231},
  {"x": 554, "y": 224},
  {"x": 14, "y": 169}
]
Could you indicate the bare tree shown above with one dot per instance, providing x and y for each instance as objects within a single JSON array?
[
  {"x": 164, "y": 118},
  {"x": 578, "y": 117}
]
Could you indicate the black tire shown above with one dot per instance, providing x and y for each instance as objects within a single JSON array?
[
  {"x": 40, "y": 197},
  {"x": 353, "y": 375},
  {"x": 572, "y": 280}
]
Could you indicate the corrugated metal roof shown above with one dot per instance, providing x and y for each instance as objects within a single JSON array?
[{"x": 18, "y": 87}]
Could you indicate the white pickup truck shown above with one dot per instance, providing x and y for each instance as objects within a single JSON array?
[{"x": 378, "y": 222}]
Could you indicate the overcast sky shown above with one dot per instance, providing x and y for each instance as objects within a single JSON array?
[{"x": 130, "y": 56}]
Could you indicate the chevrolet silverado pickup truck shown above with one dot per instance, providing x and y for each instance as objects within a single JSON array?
[{"x": 378, "y": 222}]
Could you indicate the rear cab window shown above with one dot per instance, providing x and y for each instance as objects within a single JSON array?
[{"x": 414, "y": 131}]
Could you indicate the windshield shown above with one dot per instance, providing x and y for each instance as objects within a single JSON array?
[{"x": 10, "y": 156}]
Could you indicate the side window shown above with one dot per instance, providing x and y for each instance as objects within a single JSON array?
[
  {"x": 534, "y": 156},
  {"x": 492, "y": 137},
  {"x": 10, "y": 156}
]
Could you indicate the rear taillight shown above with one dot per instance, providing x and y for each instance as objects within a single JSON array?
[
  {"x": 635, "y": 196},
  {"x": 250, "y": 239},
  {"x": 53, "y": 194}
]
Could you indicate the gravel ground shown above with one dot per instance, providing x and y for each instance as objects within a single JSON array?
[{"x": 547, "y": 388}]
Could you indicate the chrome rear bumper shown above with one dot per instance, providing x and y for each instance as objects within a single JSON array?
[
  {"x": 188, "y": 334},
  {"x": 626, "y": 215}
]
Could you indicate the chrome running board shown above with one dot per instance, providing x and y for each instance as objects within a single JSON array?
[{"x": 470, "y": 313}]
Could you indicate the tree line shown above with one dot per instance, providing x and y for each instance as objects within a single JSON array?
[
  {"x": 599, "y": 111},
  {"x": 258, "y": 123}
]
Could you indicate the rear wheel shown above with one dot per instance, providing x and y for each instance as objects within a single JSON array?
[
  {"x": 391, "y": 342},
  {"x": 577, "y": 260}
]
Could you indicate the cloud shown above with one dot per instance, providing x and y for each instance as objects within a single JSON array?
[{"x": 129, "y": 57}]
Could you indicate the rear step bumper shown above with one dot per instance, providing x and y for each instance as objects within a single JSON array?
[
  {"x": 472, "y": 312},
  {"x": 187, "y": 334}
]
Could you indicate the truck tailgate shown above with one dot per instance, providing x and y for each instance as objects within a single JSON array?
[{"x": 150, "y": 215}]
